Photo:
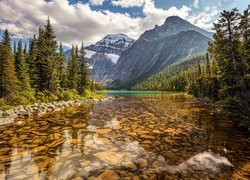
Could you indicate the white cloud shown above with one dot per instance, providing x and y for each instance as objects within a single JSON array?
[
  {"x": 196, "y": 3},
  {"x": 128, "y": 3},
  {"x": 96, "y": 2},
  {"x": 76, "y": 22},
  {"x": 205, "y": 19}
]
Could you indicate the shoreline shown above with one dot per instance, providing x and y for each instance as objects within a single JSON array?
[{"x": 39, "y": 109}]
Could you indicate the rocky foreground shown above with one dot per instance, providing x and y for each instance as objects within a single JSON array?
[{"x": 9, "y": 116}]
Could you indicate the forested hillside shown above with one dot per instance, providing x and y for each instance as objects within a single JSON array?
[
  {"x": 172, "y": 78},
  {"x": 37, "y": 73},
  {"x": 225, "y": 78}
]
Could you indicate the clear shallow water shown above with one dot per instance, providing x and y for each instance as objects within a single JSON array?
[{"x": 140, "y": 135}]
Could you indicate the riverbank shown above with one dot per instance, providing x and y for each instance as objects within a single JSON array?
[{"x": 39, "y": 109}]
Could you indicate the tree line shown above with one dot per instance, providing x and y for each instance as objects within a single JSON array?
[
  {"x": 223, "y": 74},
  {"x": 40, "y": 72}
]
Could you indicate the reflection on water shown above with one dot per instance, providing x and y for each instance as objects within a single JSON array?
[{"x": 145, "y": 136}]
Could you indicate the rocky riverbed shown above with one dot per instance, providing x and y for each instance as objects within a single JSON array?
[
  {"x": 9, "y": 116},
  {"x": 135, "y": 137}
]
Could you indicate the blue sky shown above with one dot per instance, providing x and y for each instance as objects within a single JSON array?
[{"x": 90, "y": 20}]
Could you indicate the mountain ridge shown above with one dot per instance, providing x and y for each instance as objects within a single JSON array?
[{"x": 155, "y": 49}]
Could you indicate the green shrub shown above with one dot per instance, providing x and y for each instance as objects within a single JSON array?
[
  {"x": 2, "y": 102},
  {"x": 46, "y": 96},
  {"x": 30, "y": 96},
  {"x": 68, "y": 95}
]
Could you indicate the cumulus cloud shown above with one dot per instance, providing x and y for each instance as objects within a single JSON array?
[
  {"x": 128, "y": 3},
  {"x": 76, "y": 22},
  {"x": 196, "y": 3},
  {"x": 205, "y": 19},
  {"x": 96, "y": 2}
]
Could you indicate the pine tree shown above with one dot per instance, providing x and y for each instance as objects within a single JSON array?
[
  {"x": 14, "y": 51},
  {"x": 61, "y": 67},
  {"x": 51, "y": 57},
  {"x": 25, "y": 49},
  {"x": 73, "y": 69},
  {"x": 208, "y": 69},
  {"x": 21, "y": 68},
  {"x": 32, "y": 63},
  {"x": 83, "y": 73},
  {"x": 245, "y": 31},
  {"x": 42, "y": 66},
  {"x": 226, "y": 51},
  {"x": 9, "y": 81}
]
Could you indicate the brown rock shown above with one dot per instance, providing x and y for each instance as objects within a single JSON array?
[
  {"x": 108, "y": 175},
  {"x": 129, "y": 165},
  {"x": 143, "y": 163},
  {"x": 109, "y": 157}
]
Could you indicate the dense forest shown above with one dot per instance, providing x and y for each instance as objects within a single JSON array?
[
  {"x": 39, "y": 73},
  {"x": 223, "y": 75}
]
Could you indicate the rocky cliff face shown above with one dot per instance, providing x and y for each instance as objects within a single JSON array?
[{"x": 155, "y": 49}]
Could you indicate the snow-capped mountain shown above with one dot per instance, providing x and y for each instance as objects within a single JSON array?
[
  {"x": 112, "y": 44},
  {"x": 103, "y": 55}
]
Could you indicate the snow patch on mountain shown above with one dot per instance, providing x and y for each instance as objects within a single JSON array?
[
  {"x": 113, "y": 57},
  {"x": 89, "y": 53}
]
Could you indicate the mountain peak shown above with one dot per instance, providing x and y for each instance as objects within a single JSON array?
[
  {"x": 112, "y": 43},
  {"x": 173, "y": 25},
  {"x": 174, "y": 18},
  {"x": 117, "y": 37}
]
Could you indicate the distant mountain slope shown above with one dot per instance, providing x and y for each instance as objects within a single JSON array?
[
  {"x": 103, "y": 55},
  {"x": 166, "y": 78},
  {"x": 155, "y": 49}
]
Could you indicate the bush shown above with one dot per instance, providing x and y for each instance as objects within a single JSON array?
[
  {"x": 46, "y": 96},
  {"x": 68, "y": 95},
  {"x": 29, "y": 96}
]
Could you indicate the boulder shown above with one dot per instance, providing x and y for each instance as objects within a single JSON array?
[
  {"x": 108, "y": 175},
  {"x": 129, "y": 165}
]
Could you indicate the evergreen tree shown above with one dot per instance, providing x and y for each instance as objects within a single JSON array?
[
  {"x": 9, "y": 81},
  {"x": 245, "y": 31},
  {"x": 61, "y": 67},
  {"x": 73, "y": 69},
  {"x": 21, "y": 68},
  {"x": 42, "y": 66},
  {"x": 32, "y": 63},
  {"x": 51, "y": 57},
  {"x": 83, "y": 73},
  {"x": 14, "y": 51},
  {"x": 208, "y": 69}
]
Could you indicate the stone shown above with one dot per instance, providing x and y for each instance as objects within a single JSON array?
[
  {"x": 37, "y": 149},
  {"x": 129, "y": 165},
  {"x": 1, "y": 167},
  {"x": 108, "y": 175},
  {"x": 136, "y": 178},
  {"x": 32, "y": 169},
  {"x": 143, "y": 163},
  {"x": 85, "y": 163},
  {"x": 56, "y": 143},
  {"x": 110, "y": 157},
  {"x": 78, "y": 125},
  {"x": 102, "y": 131},
  {"x": 77, "y": 178},
  {"x": 147, "y": 137},
  {"x": 156, "y": 131}
]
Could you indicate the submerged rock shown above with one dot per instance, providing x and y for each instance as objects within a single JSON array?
[
  {"x": 129, "y": 165},
  {"x": 108, "y": 175},
  {"x": 110, "y": 157}
]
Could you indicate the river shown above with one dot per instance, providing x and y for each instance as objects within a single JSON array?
[{"x": 139, "y": 135}]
